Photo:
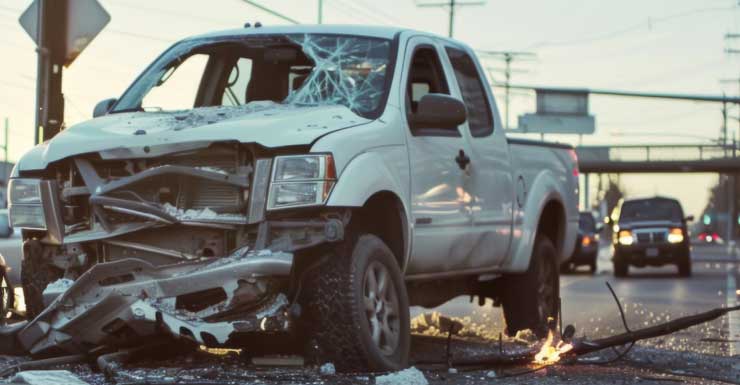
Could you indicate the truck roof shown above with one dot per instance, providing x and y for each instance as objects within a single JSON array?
[{"x": 362, "y": 30}]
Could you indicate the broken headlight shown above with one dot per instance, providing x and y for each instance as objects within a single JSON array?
[
  {"x": 25, "y": 209},
  {"x": 301, "y": 180}
]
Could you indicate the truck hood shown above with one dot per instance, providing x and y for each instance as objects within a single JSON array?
[{"x": 151, "y": 134}]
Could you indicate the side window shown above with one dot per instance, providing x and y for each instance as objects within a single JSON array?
[
  {"x": 425, "y": 76},
  {"x": 236, "y": 87},
  {"x": 480, "y": 119},
  {"x": 178, "y": 86}
]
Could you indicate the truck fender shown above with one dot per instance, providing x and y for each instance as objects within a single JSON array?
[
  {"x": 367, "y": 174},
  {"x": 544, "y": 189}
]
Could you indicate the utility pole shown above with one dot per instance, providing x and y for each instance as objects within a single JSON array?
[
  {"x": 5, "y": 152},
  {"x": 731, "y": 180},
  {"x": 51, "y": 32},
  {"x": 321, "y": 11},
  {"x": 508, "y": 57},
  {"x": 451, "y": 6}
]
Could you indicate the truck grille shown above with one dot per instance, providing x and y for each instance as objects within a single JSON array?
[{"x": 651, "y": 235}]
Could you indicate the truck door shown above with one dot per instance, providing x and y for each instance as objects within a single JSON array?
[
  {"x": 440, "y": 200},
  {"x": 491, "y": 184}
]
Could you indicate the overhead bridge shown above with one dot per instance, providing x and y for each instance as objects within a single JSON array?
[{"x": 658, "y": 158}]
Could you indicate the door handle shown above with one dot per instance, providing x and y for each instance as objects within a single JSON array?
[{"x": 462, "y": 160}]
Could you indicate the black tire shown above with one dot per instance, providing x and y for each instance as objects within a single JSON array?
[
  {"x": 529, "y": 299},
  {"x": 592, "y": 267},
  {"x": 36, "y": 274},
  {"x": 347, "y": 322},
  {"x": 7, "y": 296},
  {"x": 621, "y": 268},
  {"x": 684, "y": 264},
  {"x": 566, "y": 268}
]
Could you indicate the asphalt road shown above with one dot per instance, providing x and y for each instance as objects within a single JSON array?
[
  {"x": 707, "y": 353},
  {"x": 649, "y": 296}
]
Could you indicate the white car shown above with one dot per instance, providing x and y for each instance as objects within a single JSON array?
[{"x": 310, "y": 179}]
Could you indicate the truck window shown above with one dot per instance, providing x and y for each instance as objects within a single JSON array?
[
  {"x": 178, "y": 86},
  {"x": 480, "y": 119},
  {"x": 236, "y": 87},
  {"x": 425, "y": 76}
]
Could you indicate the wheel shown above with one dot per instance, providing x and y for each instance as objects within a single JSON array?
[
  {"x": 529, "y": 299},
  {"x": 592, "y": 267},
  {"x": 36, "y": 274},
  {"x": 566, "y": 268},
  {"x": 357, "y": 309},
  {"x": 684, "y": 265},
  {"x": 7, "y": 297},
  {"x": 621, "y": 268}
]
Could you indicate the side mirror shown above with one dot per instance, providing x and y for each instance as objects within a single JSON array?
[
  {"x": 690, "y": 218},
  {"x": 103, "y": 107},
  {"x": 439, "y": 111}
]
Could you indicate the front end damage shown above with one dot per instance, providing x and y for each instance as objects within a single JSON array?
[{"x": 180, "y": 244}]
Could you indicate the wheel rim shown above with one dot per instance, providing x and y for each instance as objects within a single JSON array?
[
  {"x": 5, "y": 300},
  {"x": 545, "y": 291},
  {"x": 381, "y": 307}
]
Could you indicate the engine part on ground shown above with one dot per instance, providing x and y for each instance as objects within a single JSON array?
[{"x": 123, "y": 302}]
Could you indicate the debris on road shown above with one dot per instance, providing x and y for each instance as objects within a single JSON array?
[
  {"x": 327, "y": 369},
  {"x": 46, "y": 377},
  {"x": 410, "y": 376}
]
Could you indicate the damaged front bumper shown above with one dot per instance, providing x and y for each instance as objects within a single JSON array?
[{"x": 123, "y": 302}]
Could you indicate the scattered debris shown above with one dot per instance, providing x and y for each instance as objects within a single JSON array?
[
  {"x": 410, "y": 376},
  {"x": 327, "y": 369},
  {"x": 46, "y": 377}
]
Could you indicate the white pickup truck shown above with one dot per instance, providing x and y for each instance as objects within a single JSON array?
[{"x": 314, "y": 181}]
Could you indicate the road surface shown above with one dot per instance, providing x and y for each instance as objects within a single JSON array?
[{"x": 707, "y": 353}]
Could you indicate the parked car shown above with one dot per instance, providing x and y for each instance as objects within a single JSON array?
[
  {"x": 316, "y": 179},
  {"x": 587, "y": 244},
  {"x": 651, "y": 232}
]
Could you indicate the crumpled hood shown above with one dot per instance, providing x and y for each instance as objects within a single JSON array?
[{"x": 150, "y": 134}]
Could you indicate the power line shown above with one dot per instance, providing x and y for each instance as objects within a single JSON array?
[
  {"x": 649, "y": 23},
  {"x": 381, "y": 12},
  {"x": 508, "y": 57},
  {"x": 451, "y": 6},
  {"x": 352, "y": 10},
  {"x": 272, "y": 12}
]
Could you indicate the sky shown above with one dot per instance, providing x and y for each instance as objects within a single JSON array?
[{"x": 637, "y": 45}]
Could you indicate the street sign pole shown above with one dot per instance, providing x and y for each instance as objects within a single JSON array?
[{"x": 51, "y": 32}]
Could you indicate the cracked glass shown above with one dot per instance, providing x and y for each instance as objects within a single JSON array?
[{"x": 295, "y": 70}]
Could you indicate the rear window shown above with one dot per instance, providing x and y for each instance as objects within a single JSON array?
[
  {"x": 651, "y": 210},
  {"x": 586, "y": 222}
]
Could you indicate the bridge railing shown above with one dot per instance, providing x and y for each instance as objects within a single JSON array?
[{"x": 657, "y": 153}]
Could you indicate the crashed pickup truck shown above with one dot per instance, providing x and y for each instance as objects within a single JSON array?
[{"x": 309, "y": 181}]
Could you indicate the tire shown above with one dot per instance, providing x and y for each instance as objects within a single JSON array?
[
  {"x": 347, "y": 322},
  {"x": 621, "y": 268},
  {"x": 592, "y": 267},
  {"x": 566, "y": 268},
  {"x": 36, "y": 274},
  {"x": 684, "y": 265},
  {"x": 7, "y": 297},
  {"x": 529, "y": 299}
]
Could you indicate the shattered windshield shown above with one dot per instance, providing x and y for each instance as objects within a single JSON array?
[{"x": 297, "y": 69}]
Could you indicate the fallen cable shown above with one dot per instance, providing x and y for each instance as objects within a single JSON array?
[{"x": 44, "y": 363}]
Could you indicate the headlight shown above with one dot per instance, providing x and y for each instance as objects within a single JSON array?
[
  {"x": 625, "y": 238},
  {"x": 301, "y": 180},
  {"x": 25, "y": 209},
  {"x": 675, "y": 235},
  {"x": 25, "y": 191}
]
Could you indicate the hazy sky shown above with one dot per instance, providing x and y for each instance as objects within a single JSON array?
[{"x": 642, "y": 45}]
